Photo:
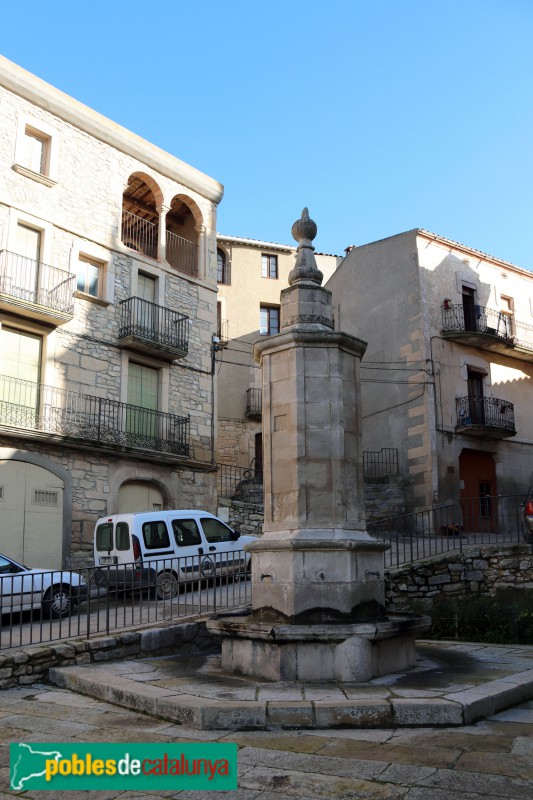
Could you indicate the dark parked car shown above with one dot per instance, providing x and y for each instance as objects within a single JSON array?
[{"x": 527, "y": 518}]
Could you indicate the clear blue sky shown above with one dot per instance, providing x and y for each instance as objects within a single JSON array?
[{"x": 379, "y": 115}]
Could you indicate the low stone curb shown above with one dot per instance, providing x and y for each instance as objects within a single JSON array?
[
  {"x": 32, "y": 663},
  {"x": 452, "y": 709}
]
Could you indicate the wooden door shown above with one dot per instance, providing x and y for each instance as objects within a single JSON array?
[{"x": 477, "y": 473}]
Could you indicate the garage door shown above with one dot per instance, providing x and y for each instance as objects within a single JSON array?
[
  {"x": 139, "y": 496},
  {"x": 31, "y": 514}
]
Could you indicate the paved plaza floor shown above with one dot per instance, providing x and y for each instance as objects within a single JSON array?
[{"x": 491, "y": 759}]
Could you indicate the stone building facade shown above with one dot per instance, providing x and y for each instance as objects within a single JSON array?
[
  {"x": 108, "y": 302},
  {"x": 447, "y": 376}
]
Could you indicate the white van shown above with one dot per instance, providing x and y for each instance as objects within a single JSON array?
[{"x": 165, "y": 549}]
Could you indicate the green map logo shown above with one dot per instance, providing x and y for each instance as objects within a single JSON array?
[{"x": 85, "y": 766}]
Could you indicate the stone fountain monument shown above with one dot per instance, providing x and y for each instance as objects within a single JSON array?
[{"x": 318, "y": 597}]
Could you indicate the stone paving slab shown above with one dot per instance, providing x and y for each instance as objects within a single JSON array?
[
  {"x": 451, "y": 684},
  {"x": 489, "y": 760}
]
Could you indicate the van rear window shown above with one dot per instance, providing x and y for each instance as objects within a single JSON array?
[
  {"x": 104, "y": 536},
  {"x": 122, "y": 536},
  {"x": 155, "y": 535}
]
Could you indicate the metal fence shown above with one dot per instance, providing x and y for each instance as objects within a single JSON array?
[
  {"x": 488, "y": 321},
  {"x": 239, "y": 483},
  {"x": 182, "y": 254},
  {"x": 489, "y": 412},
  {"x": 139, "y": 234},
  {"x": 35, "y": 406},
  {"x": 32, "y": 282},
  {"x": 378, "y": 463},
  {"x": 486, "y": 520},
  {"x": 156, "y": 325},
  {"x": 48, "y": 606}
]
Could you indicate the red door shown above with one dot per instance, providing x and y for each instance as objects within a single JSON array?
[{"x": 477, "y": 473}]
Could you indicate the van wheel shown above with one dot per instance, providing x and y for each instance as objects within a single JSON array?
[{"x": 166, "y": 585}]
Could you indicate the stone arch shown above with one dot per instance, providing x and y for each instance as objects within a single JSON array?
[
  {"x": 141, "y": 200},
  {"x": 168, "y": 484},
  {"x": 184, "y": 224},
  {"x": 8, "y": 454}
]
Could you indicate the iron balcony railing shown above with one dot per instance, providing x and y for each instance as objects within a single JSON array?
[
  {"x": 240, "y": 483},
  {"x": 224, "y": 274},
  {"x": 158, "y": 326},
  {"x": 139, "y": 234},
  {"x": 485, "y": 520},
  {"x": 378, "y": 463},
  {"x": 182, "y": 254},
  {"x": 254, "y": 403},
  {"x": 32, "y": 283},
  {"x": 490, "y": 322},
  {"x": 488, "y": 412},
  {"x": 222, "y": 332},
  {"x": 37, "y": 407}
]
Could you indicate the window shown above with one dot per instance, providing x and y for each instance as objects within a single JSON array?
[
  {"x": 20, "y": 374},
  {"x": 269, "y": 266},
  {"x": 216, "y": 531},
  {"x": 88, "y": 276},
  {"x": 269, "y": 320},
  {"x": 155, "y": 535},
  {"x": 143, "y": 395},
  {"x": 36, "y": 151},
  {"x": 186, "y": 532},
  {"x": 507, "y": 316},
  {"x": 223, "y": 275}
]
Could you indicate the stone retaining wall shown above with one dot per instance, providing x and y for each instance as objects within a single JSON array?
[
  {"x": 244, "y": 517},
  {"x": 30, "y": 665},
  {"x": 480, "y": 571}
]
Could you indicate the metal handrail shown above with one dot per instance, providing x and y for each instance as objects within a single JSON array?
[
  {"x": 490, "y": 322},
  {"x": 182, "y": 254},
  {"x": 254, "y": 402},
  {"x": 153, "y": 323},
  {"x": 486, "y": 411},
  {"x": 240, "y": 483},
  {"x": 35, "y": 283},
  {"x": 37, "y": 407},
  {"x": 378, "y": 463},
  {"x": 139, "y": 234}
]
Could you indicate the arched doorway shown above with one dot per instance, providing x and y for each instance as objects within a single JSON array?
[
  {"x": 31, "y": 514},
  {"x": 139, "y": 496}
]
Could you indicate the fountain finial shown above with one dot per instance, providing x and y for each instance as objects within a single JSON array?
[{"x": 305, "y": 270}]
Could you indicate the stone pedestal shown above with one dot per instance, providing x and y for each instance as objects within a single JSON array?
[
  {"x": 318, "y": 604},
  {"x": 351, "y": 653}
]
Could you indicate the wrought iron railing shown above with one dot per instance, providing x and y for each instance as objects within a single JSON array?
[
  {"x": 488, "y": 412},
  {"x": 31, "y": 282},
  {"x": 182, "y": 254},
  {"x": 92, "y": 601},
  {"x": 38, "y": 407},
  {"x": 224, "y": 274},
  {"x": 155, "y": 324},
  {"x": 488, "y": 321},
  {"x": 139, "y": 234},
  {"x": 254, "y": 403},
  {"x": 240, "y": 483},
  {"x": 378, "y": 463},
  {"x": 486, "y": 520},
  {"x": 223, "y": 331}
]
